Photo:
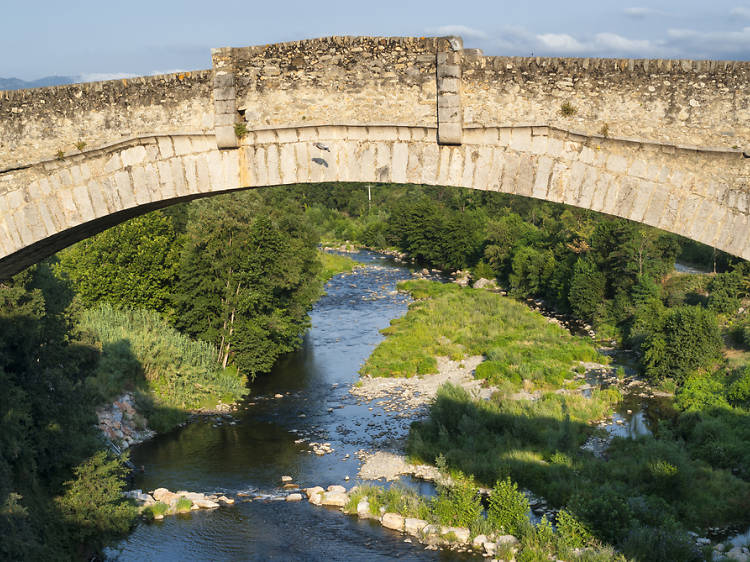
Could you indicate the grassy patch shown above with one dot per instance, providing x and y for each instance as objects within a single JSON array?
[
  {"x": 171, "y": 373},
  {"x": 333, "y": 264},
  {"x": 449, "y": 321}
]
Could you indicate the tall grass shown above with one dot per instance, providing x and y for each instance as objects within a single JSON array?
[
  {"x": 333, "y": 264},
  {"x": 450, "y": 321},
  {"x": 140, "y": 350}
]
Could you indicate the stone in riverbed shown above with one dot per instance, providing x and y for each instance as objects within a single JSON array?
[
  {"x": 507, "y": 539},
  {"x": 336, "y": 488},
  {"x": 226, "y": 500},
  {"x": 165, "y": 496},
  {"x": 206, "y": 504},
  {"x": 462, "y": 534},
  {"x": 294, "y": 498},
  {"x": 314, "y": 495},
  {"x": 363, "y": 508},
  {"x": 336, "y": 499},
  {"x": 393, "y": 521},
  {"x": 479, "y": 541},
  {"x": 286, "y": 478},
  {"x": 414, "y": 526}
]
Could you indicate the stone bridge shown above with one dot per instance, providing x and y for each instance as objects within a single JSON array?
[{"x": 656, "y": 141}]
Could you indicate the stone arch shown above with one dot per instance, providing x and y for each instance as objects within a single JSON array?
[{"x": 52, "y": 204}]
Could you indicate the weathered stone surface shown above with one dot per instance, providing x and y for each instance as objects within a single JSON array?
[
  {"x": 393, "y": 521},
  {"x": 336, "y": 488},
  {"x": 206, "y": 504},
  {"x": 336, "y": 499},
  {"x": 414, "y": 526},
  {"x": 686, "y": 175},
  {"x": 294, "y": 498},
  {"x": 462, "y": 534},
  {"x": 314, "y": 495},
  {"x": 507, "y": 539}
]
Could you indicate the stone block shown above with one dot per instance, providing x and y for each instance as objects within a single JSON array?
[
  {"x": 222, "y": 94},
  {"x": 334, "y": 499},
  {"x": 223, "y": 80},
  {"x": 450, "y": 133},
  {"x": 413, "y": 526},
  {"x": 226, "y": 137},
  {"x": 448, "y": 86},
  {"x": 225, "y": 119},
  {"x": 520, "y": 139},
  {"x": 225, "y": 106},
  {"x": 134, "y": 155},
  {"x": 393, "y": 521}
]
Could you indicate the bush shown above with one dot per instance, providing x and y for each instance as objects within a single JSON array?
[
  {"x": 183, "y": 505},
  {"x": 571, "y": 531},
  {"x": 688, "y": 340},
  {"x": 458, "y": 504},
  {"x": 508, "y": 507},
  {"x": 93, "y": 506}
]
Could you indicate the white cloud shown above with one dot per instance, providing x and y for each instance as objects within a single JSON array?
[
  {"x": 102, "y": 76},
  {"x": 620, "y": 44},
  {"x": 639, "y": 12},
  {"x": 561, "y": 42},
  {"x": 462, "y": 30}
]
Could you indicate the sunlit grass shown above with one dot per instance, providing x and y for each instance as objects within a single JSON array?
[{"x": 449, "y": 321}]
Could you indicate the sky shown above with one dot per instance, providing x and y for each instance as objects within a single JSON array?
[{"x": 105, "y": 39}]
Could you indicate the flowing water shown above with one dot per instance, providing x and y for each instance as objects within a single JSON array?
[{"x": 270, "y": 438}]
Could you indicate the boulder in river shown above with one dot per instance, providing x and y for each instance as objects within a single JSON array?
[
  {"x": 393, "y": 521},
  {"x": 314, "y": 495},
  {"x": 336, "y": 499},
  {"x": 363, "y": 508},
  {"x": 294, "y": 497},
  {"x": 462, "y": 534},
  {"x": 286, "y": 479},
  {"x": 337, "y": 488},
  {"x": 414, "y": 526},
  {"x": 206, "y": 504}
]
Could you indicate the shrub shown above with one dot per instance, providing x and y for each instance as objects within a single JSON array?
[
  {"x": 458, "y": 504},
  {"x": 567, "y": 109},
  {"x": 159, "y": 508},
  {"x": 183, "y": 505},
  {"x": 571, "y": 531},
  {"x": 93, "y": 506},
  {"x": 508, "y": 507}
]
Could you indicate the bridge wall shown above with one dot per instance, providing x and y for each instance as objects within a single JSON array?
[
  {"x": 49, "y": 206},
  {"x": 704, "y": 103},
  {"x": 36, "y": 124}
]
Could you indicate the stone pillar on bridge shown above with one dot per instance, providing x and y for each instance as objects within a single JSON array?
[
  {"x": 449, "y": 110},
  {"x": 225, "y": 99}
]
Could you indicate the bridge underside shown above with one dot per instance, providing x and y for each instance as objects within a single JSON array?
[{"x": 52, "y": 204}]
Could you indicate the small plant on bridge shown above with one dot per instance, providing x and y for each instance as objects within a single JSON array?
[
  {"x": 60, "y": 155},
  {"x": 80, "y": 145},
  {"x": 567, "y": 109},
  {"x": 240, "y": 129},
  {"x": 604, "y": 131}
]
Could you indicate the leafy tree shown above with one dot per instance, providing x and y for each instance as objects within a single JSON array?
[
  {"x": 586, "y": 289},
  {"x": 247, "y": 277},
  {"x": 688, "y": 340},
  {"x": 93, "y": 506},
  {"x": 132, "y": 264}
]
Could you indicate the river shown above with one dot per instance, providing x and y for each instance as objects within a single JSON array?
[{"x": 270, "y": 439}]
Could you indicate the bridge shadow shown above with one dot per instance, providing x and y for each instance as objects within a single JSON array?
[{"x": 638, "y": 497}]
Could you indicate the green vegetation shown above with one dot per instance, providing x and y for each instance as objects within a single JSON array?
[
  {"x": 48, "y": 439},
  {"x": 459, "y": 505},
  {"x": 567, "y": 109},
  {"x": 183, "y": 505},
  {"x": 240, "y": 129},
  {"x": 159, "y": 508},
  {"x": 172, "y": 373},
  {"x": 646, "y": 486},
  {"x": 453, "y": 322},
  {"x": 333, "y": 264}
]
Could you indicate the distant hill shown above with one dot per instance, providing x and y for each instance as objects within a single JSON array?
[{"x": 18, "y": 84}]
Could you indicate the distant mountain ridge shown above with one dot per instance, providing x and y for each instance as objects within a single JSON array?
[{"x": 18, "y": 84}]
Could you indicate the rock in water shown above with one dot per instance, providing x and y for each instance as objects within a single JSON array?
[
  {"x": 414, "y": 526},
  {"x": 294, "y": 498},
  {"x": 393, "y": 521},
  {"x": 337, "y": 499}
]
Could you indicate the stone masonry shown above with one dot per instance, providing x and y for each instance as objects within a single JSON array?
[{"x": 659, "y": 142}]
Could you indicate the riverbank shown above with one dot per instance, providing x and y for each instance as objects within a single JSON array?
[{"x": 541, "y": 434}]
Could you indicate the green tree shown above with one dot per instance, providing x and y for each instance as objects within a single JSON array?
[
  {"x": 508, "y": 507},
  {"x": 247, "y": 278},
  {"x": 586, "y": 289},
  {"x": 688, "y": 340},
  {"x": 132, "y": 264}
]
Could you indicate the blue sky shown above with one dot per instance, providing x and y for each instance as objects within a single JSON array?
[{"x": 105, "y": 39}]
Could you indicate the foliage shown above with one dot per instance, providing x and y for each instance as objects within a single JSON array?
[
  {"x": 132, "y": 264},
  {"x": 458, "y": 504},
  {"x": 93, "y": 506},
  {"x": 508, "y": 507},
  {"x": 333, "y": 264},
  {"x": 586, "y": 289},
  {"x": 454, "y": 322},
  {"x": 248, "y": 275},
  {"x": 141, "y": 350},
  {"x": 183, "y": 505},
  {"x": 688, "y": 339}
]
